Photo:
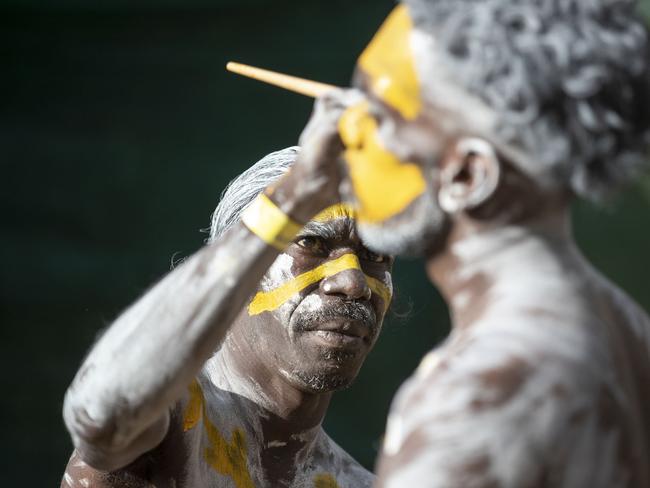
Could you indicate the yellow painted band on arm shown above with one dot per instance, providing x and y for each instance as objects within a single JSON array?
[
  {"x": 264, "y": 219},
  {"x": 267, "y": 301}
]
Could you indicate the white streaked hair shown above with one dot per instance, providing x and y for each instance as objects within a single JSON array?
[
  {"x": 242, "y": 190},
  {"x": 567, "y": 81}
]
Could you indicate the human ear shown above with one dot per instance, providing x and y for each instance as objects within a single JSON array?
[{"x": 469, "y": 175}]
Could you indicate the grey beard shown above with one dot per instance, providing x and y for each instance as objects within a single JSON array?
[
  {"x": 419, "y": 231},
  {"x": 331, "y": 380},
  {"x": 323, "y": 382}
]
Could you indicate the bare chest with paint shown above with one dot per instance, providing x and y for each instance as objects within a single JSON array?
[{"x": 224, "y": 448}]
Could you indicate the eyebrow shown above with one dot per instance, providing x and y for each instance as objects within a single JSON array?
[{"x": 330, "y": 230}]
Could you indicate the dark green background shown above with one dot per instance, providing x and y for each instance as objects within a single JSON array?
[{"x": 118, "y": 130}]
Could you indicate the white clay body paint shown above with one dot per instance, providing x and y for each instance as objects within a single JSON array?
[
  {"x": 276, "y": 444},
  {"x": 311, "y": 303},
  {"x": 278, "y": 274},
  {"x": 388, "y": 281},
  {"x": 526, "y": 374}
]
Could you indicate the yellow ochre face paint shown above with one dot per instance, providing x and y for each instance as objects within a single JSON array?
[
  {"x": 383, "y": 185},
  {"x": 389, "y": 65},
  {"x": 267, "y": 301},
  {"x": 337, "y": 211},
  {"x": 325, "y": 480}
]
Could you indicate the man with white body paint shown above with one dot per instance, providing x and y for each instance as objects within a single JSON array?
[
  {"x": 482, "y": 120},
  {"x": 154, "y": 405}
]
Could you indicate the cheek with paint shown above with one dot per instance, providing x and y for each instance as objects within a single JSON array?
[
  {"x": 387, "y": 285},
  {"x": 383, "y": 184},
  {"x": 282, "y": 294},
  {"x": 279, "y": 273}
]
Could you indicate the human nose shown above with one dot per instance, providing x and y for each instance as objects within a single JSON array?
[{"x": 350, "y": 284}]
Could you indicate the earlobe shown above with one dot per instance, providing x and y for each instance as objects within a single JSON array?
[{"x": 469, "y": 175}]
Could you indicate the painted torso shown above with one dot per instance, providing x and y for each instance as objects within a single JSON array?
[
  {"x": 542, "y": 389},
  {"x": 216, "y": 440}
]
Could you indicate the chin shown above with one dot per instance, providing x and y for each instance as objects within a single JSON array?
[
  {"x": 324, "y": 382},
  {"x": 327, "y": 377},
  {"x": 417, "y": 231}
]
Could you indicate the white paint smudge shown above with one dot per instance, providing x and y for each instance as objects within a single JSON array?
[
  {"x": 68, "y": 479},
  {"x": 279, "y": 273},
  {"x": 394, "y": 435},
  {"x": 311, "y": 303},
  {"x": 276, "y": 444},
  {"x": 388, "y": 281}
]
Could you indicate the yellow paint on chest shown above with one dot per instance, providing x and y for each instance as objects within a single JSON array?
[
  {"x": 325, "y": 480},
  {"x": 229, "y": 458},
  {"x": 193, "y": 410}
]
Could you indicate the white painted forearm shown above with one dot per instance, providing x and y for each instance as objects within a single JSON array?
[{"x": 143, "y": 363}]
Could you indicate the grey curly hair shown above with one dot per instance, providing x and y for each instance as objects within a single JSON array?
[
  {"x": 567, "y": 81},
  {"x": 242, "y": 190}
]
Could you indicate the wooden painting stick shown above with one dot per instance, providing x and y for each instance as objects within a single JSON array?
[{"x": 309, "y": 88}]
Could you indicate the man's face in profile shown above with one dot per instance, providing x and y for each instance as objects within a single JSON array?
[
  {"x": 393, "y": 146},
  {"x": 320, "y": 306}
]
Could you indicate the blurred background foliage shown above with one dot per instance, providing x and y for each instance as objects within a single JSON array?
[{"x": 119, "y": 128}]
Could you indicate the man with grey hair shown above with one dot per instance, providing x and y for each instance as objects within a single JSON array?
[
  {"x": 215, "y": 379},
  {"x": 474, "y": 125}
]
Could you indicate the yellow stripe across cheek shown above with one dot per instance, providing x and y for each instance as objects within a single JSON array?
[
  {"x": 380, "y": 288},
  {"x": 267, "y": 301}
]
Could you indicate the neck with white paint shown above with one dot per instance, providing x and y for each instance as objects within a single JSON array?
[
  {"x": 492, "y": 270},
  {"x": 287, "y": 413}
]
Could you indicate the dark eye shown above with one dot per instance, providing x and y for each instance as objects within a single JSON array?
[
  {"x": 373, "y": 257},
  {"x": 313, "y": 244}
]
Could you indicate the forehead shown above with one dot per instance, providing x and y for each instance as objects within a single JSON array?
[
  {"x": 336, "y": 228},
  {"x": 336, "y": 221},
  {"x": 389, "y": 65}
]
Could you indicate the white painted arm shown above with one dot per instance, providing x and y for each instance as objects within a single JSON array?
[{"x": 117, "y": 406}]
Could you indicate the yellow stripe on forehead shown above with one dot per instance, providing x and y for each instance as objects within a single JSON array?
[
  {"x": 267, "y": 301},
  {"x": 337, "y": 211}
]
